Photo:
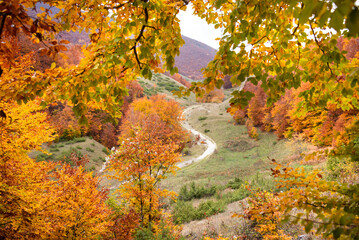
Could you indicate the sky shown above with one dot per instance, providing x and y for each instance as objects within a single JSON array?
[{"x": 198, "y": 29}]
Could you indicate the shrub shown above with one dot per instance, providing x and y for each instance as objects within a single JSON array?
[
  {"x": 193, "y": 191},
  {"x": 82, "y": 139},
  {"x": 66, "y": 156},
  {"x": 185, "y": 212},
  {"x": 163, "y": 230},
  {"x": 92, "y": 144},
  {"x": 105, "y": 150},
  {"x": 267, "y": 184},
  {"x": 206, "y": 130},
  {"x": 43, "y": 157},
  {"x": 236, "y": 195},
  {"x": 78, "y": 147},
  {"x": 202, "y": 118},
  {"x": 89, "y": 149},
  {"x": 93, "y": 168},
  {"x": 186, "y": 151},
  {"x": 236, "y": 183}
]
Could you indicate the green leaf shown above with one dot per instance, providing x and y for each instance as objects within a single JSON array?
[
  {"x": 352, "y": 22},
  {"x": 309, "y": 226},
  {"x": 337, "y": 232},
  {"x": 306, "y": 13},
  {"x": 336, "y": 20},
  {"x": 219, "y": 3}
]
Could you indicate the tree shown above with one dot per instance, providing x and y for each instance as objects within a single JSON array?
[
  {"x": 279, "y": 36},
  {"x": 215, "y": 96},
  {"x": 44, "y": 200},
  {"x": 140, "y": 163},
  {"x": 112, "y": 59},
  {"x": 163, "y": 116}
]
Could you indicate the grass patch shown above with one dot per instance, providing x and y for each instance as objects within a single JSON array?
[
  {"x": 240, "y": 145},
  {"x": 81, "y": 146},
  {"x": 237, "y": 155},
  {"x": 184, "y": 211}
]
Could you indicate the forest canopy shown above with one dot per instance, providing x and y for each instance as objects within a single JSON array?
[{"x": 294, "y": 41}]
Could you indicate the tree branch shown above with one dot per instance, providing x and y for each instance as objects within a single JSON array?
[
  {"x": 115, "y": 7},
  {"x": 317, "y": 42},
  {"x": 4, "y": 15},
  {"x": 139, "y": 38}
]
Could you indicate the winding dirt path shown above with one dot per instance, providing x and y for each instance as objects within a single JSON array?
[{"x": 205, "y": 140}]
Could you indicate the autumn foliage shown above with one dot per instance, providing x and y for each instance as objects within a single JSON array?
[
  {"x": 286, "y": 117},
  {"x": 163, "y": 116},
  {"x": 214, "y": 96},
  {"x": 42, "y": 199},
  {"x": 181, "y": 80}
]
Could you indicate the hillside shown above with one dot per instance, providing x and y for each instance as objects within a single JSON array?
[{"x": 194, "y": 56}]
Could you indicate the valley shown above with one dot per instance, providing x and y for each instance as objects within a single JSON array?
[{"x": 115, "y": 126}]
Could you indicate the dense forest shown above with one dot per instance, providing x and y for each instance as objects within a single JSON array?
[{"x": 87, "y": 74}]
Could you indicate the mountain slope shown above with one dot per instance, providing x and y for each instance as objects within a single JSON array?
[{"x": 194, "y": 56}]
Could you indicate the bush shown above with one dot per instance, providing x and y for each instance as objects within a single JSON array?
[
  {"x": 78, "y": 147},
  {"x": 267, "y": 184},
  {"x": 202, "y": 118},
  {"x": 66, "y": 156},
  {"x": 70, "y": 142},
  {"x": 236, "y": 195},
  {"x": 185, "y": 212},
  {"x": 92, "y": 144},
  {"x": 91, "y": 169},
  {"x": 186, "y": 151},
  {"x": 82, "y": 139},
  {"x": 89, "y": 149},
  {"x": 206, "y": 130},
  {"x": 102, "y": 159},
  {"x": 164, "y": 232},
  {"x": 193, "y": 191},
  {"x": 70, "y": 133},
  {"x": 105, "y": 150},
  {"x": 43, "y": 157},
  {"x": 235, "y": 184}
]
